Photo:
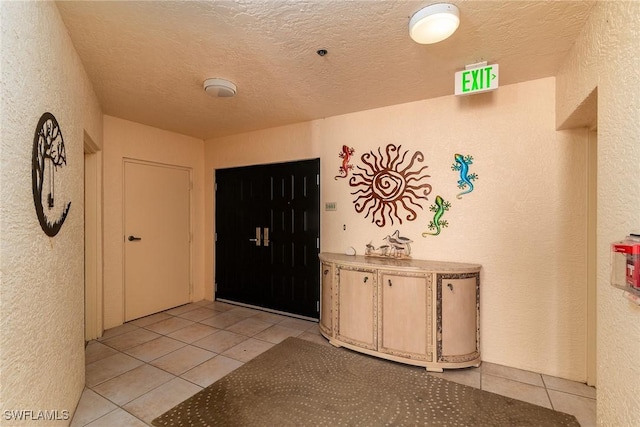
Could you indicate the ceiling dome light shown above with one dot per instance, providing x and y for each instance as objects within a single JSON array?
[
  {"x": 434, "y": 23},
  {"x": 220, "y": 88}
]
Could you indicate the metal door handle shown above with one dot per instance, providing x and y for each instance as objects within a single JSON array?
[
  {"x": 450, "y": 286},
  {"x": 257, "y": 239},
  {"x": 134, "y": 238},
  {"x": 260, "y": 238}
]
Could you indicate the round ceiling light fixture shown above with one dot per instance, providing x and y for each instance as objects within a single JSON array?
[
  {"x": 220, "y": 88},
  {"x": 434, "y": 23}
]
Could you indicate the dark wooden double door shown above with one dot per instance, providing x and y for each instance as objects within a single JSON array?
[{"x": 268, "y": 236}]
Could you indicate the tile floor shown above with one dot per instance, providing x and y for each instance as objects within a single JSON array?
[{"x": 139, "y": 370}]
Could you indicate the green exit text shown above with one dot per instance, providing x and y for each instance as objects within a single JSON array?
[{"x": 476, "y": 80}]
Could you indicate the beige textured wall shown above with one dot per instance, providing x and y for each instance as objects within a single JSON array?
[
  {"x": 606, "y": 57},
  {"x": 125, "y": 139},
  {"x": 282, "y": 144},
  {"x": 525, "y": 222},
  {"x": 42, "y": 278}
]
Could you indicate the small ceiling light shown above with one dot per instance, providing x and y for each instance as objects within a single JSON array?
[
  {"x": 220, "y": 88},
  {"x": 434, "y": 23}
]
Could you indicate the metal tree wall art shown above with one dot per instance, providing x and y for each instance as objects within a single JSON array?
[
  {"x": 48, "y": 156},
  {"x": 461, "y": 164},
  {"x": 388, "y": 185},
  {"x": 345, "y": 155}
]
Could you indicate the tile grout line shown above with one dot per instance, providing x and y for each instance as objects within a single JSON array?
[
  {"x": 546, "y": 390},
  {"x": 189, "y": 344},
  {"x": 112, "y": 411}
]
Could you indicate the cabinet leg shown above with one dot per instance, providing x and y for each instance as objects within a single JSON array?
[{"x": 431, "y": 369}]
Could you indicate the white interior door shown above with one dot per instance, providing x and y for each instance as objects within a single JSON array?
[{"x": 157, "y": 246}]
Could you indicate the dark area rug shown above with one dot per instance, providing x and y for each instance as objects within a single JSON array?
[{"x": 299, "y": 383}]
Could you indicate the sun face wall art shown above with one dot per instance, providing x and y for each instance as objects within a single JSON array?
[{"x": 390, "y": 185}]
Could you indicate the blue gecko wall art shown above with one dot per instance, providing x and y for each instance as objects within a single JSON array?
[
  {"x": 438, "y": 223},
  {"x": 466, "y": 179}
]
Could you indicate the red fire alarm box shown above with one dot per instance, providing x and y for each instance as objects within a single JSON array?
[{"x": 625, "y": 263}]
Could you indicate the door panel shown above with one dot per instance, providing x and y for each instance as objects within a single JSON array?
[
  {"x": 282, "y": 201},
  {"x": 157, "y": 211},
  {"x": 239, "y": 266},
  {"x": 294, "y": 229}
]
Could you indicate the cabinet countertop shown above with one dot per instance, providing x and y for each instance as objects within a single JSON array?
[{"x": 402, "y": 263}]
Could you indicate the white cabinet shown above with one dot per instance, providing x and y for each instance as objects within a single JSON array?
[{"x": 418, "y": 312}]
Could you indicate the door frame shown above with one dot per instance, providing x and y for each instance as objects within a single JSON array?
[
  {"x": 191, "y": 223},
  {"x": 93, "y": 252},
  {"x": 592, "y": 274}
]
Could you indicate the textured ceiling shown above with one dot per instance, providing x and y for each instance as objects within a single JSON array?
[{"x": 147, "y": 60}]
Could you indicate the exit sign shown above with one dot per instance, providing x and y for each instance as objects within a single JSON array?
[{"x": 477, "y": 78}]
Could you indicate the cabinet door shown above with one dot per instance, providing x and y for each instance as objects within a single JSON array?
[
  {"x": 357, "y": 294},
  {"x": 326, "y": 299},
  {"x": 405, "y": 316},
  {"x": 458, "y": 317}
]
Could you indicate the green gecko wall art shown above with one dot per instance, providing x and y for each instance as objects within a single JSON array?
[
  {"x": 437, "y": 223},
  {"x": 461, "y": 164}
]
